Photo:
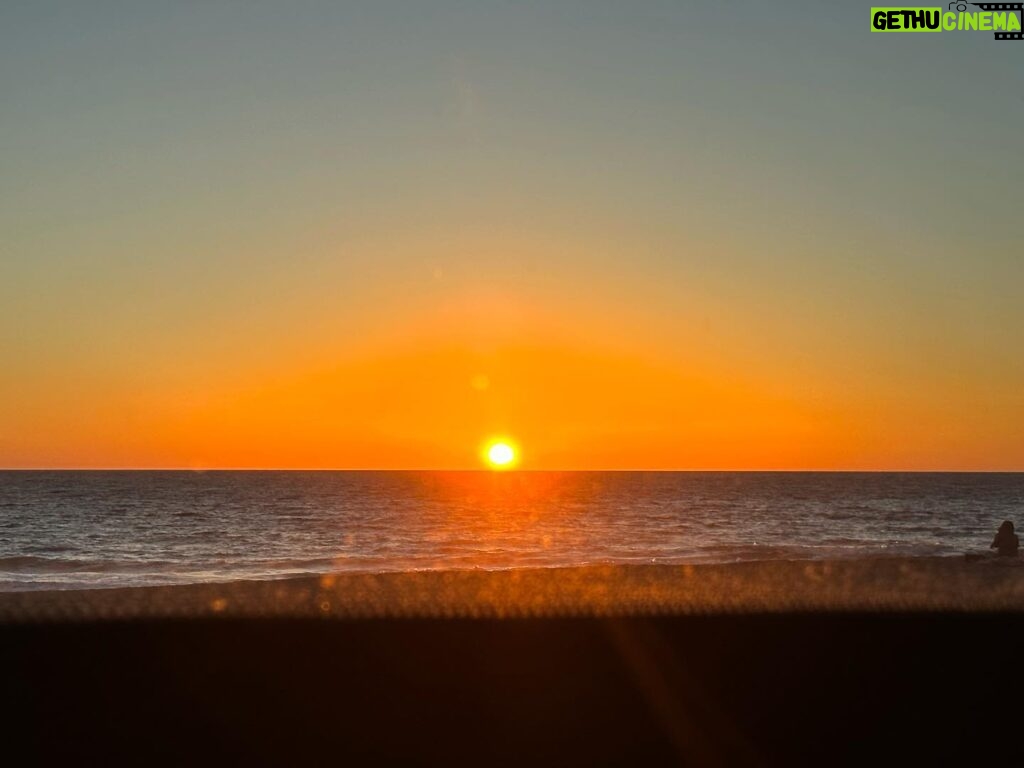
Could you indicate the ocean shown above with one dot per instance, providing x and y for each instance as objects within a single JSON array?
[{"x": 68, "y": 529}]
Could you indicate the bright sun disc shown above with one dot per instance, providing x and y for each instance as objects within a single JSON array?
[{"x": 501, "y": 454}]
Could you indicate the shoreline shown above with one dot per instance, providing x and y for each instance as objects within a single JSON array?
[{"x": 885, "y": 584}]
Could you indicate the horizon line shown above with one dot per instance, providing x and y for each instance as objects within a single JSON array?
[{"x": 515, "y": 471}]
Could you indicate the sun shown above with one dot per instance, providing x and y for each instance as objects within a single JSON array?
[{"x": 500, "y": 454}]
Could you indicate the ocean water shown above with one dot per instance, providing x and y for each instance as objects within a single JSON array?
[{"x": 102, "y": 529}]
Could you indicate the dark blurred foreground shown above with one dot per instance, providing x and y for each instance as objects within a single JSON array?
[{"x": 735, "y": 690}]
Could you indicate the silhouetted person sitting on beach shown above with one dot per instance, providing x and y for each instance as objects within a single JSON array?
[{"x": 1006, "y": 540}]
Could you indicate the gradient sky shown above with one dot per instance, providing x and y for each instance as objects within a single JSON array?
[{"x": 629, "y": 235}]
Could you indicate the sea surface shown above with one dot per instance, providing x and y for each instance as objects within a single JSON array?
[{"x": 104, "y": 529}]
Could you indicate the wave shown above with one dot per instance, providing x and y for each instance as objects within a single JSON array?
[
  {"x": 35, "y": 564},
  {"x": 19, "y": 563},
  {"x": 225, "y": 565}
]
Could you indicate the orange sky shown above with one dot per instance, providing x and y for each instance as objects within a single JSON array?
[
  {"x": 634, "y": 237},
  {"x": 575, "y": 389}
]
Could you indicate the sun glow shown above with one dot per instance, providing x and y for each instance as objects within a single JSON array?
[{"x": 500, "y": 454}]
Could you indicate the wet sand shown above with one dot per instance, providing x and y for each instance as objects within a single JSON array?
[{"x": 877, "y": 585}]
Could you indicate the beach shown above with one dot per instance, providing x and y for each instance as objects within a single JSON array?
[
  {"x": 946, "y": 584},
  {"x": 766, "y": 663}
]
